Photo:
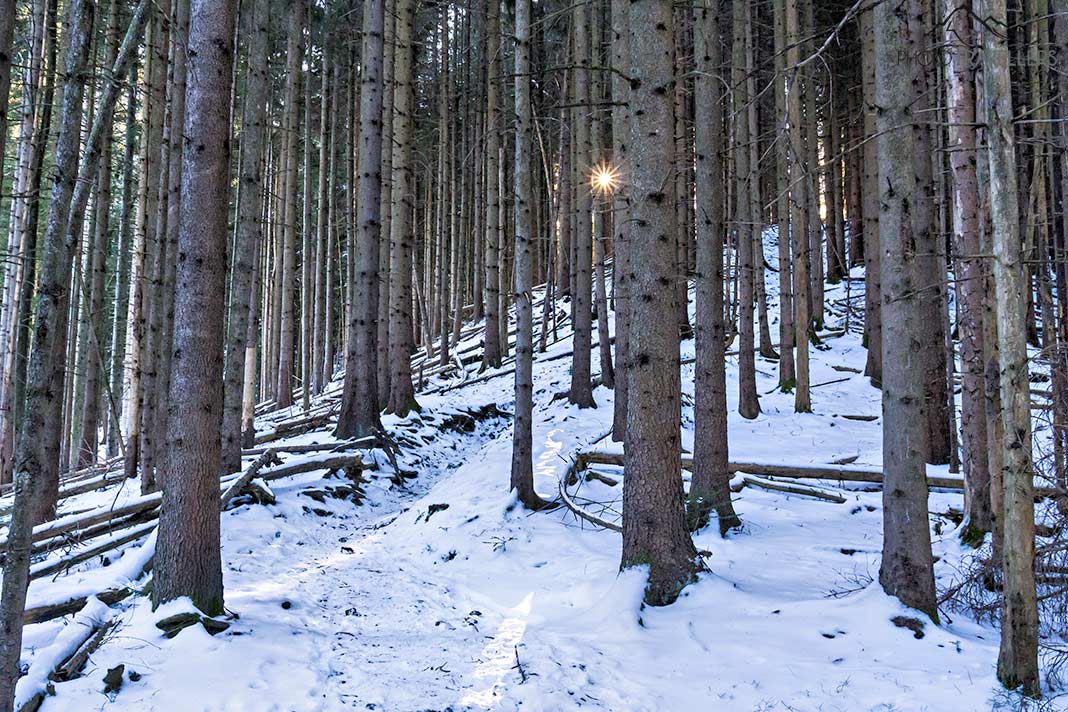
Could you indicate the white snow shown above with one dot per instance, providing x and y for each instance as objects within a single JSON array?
[{"x": 482, "y": 605}]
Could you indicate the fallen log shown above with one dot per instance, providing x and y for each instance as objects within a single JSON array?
[
  {"x": 797, "y": 472},
  {"x": 109, "y": 597},
  {"x": 83, "y": 535},
  {"x": 773, "y": 486},
  {"x": 47, "y": 568},
  {"x": 336, "y": 445},
  {"x": 269, "y": 457},
  {"x": 334, "y": 463},
  {"x": 72, "y": 668},
  {"x": 288, "y": 428},
  {"x": 83, "y": 486},
  {"x": 31, "y": 689}
]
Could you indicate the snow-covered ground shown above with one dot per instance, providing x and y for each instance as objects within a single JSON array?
[{"x": 439, "y": 594}]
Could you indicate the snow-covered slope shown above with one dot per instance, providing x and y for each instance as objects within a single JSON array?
[{"x": 438, "y": 594}]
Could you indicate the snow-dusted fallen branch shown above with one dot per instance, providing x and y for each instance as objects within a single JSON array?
[{"x": 31, "y": 688}]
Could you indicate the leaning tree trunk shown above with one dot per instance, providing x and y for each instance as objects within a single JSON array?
[
  {"x": 907, "y": 569},
  {"x": 37, "y": 449},
  {"x": 188, "y": 560},
  {"x": 1018, "y": 657},
  {"x": 25, "y": 182},
  {"x": 654, "y": 518},
  {"x": 709, "y": 488}
]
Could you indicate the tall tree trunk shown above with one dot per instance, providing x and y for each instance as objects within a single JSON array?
[
  {"x": 143, "y": 275},
  {"x": 101, "y": 232},
  {"x": 787, "y": 372},
  {"x": 873, "y": 332},
  {"x": 907, "y": 566},
  {"x": 123, "y": 263},
  {"x": 1018, "y": 657},
  {"x": 709, "y": 488},
  {"x": 248, "y": 387},
  {"x": 602, "y": 214},
  {"x": 581, "y": 392},
  {"x": 620, "y": 219},
  {"x": 654, "y": 517},
  {"x": 173, "y": 186},
  {"x": 402, "y": 230},
  {"x": 38, "y": 445},
  {"x": 7, "y": 29},
  {"x": 381, "y": 305},
  {"x": 813, "y": 262},
  {"x": 492, "y": 354},
  {"x": 522, "y": 478},
  {"x": 799, "y": 227},
  {"x": 156, "y": 263},
  {"x": 359, "y": 407},
  {"x": 294, "y": 59},
  {"x": 324, "y": 254},
  {"x": 960, "y": 93},
  {"x": 930, "y": 262},
  {"x": 249, "y": 233},
  {"x": 188, "y": 560},
  {"x": 35, "y": 118},
  {"x": 744, "y": 219}
]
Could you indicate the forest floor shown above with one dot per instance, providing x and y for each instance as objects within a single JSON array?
[{"x": 438, "y": 594}]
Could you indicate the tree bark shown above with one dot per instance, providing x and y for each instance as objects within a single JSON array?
[
  {"x": 283, "y": 393},
  {"x": 907, "y": 569},
  {"x": 744, "y": 218},
  {"x": 581, "y": 393},
  {"x": 930, "y": 262},
  {"x": 620, "y": 219},
  {"x": 522, "y": 478},
  {"x": 709, "y": 488},
  {"x": 787, "y": 372},
  {"x": 873, "y": 332},
  {"x": 654, "y": 518},
  {"x": 249, "y": 234},
  {"x": 101, "y": 232},
  {"x": 188, "y": 560},
  {"x": 402, "y": 235},
  {"x": 492, "y": 357},
  {"x": 37, "y": 449},
  {"x": 1018, "y": 656},
  {"x": 960, "y": 93},
  {"x": 359, "y": 407},
  {"x": 799, "y": 226}
]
